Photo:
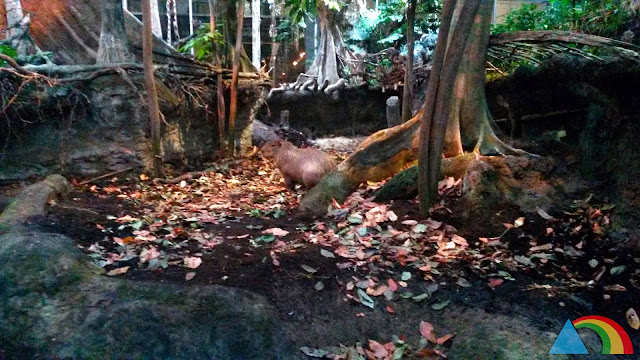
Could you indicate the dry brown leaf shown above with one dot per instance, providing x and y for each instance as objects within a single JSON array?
[
  {"x": 426, "y": 330},
  {"x": 118, "y": 271},
  {"x": 444, "y": 339}
]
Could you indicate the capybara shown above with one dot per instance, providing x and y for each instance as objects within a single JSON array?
[{"x": 304, "y": 166}]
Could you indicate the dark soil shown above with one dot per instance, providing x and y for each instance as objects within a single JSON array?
[{"x": 236, "y": 262}]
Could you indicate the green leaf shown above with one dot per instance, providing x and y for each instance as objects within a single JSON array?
[
  {"x": 365, "y": 299},
  {"x": 316, "y": 353},
  {"x": 405, "y": 276},
  {"x": 355, "y": 219},
  {"x": 421, "y": 297},
  {"x": 326, "y": 253},
  {"x": 440, "y": 305},
  {"x": 308, "y": 269},
  {"x": 419, "y": 228},
  {"x": 618, "y": 270}
]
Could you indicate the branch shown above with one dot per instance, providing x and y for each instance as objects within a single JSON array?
[{"x": 15, "y": 65}]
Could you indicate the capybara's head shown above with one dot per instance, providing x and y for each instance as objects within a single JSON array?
[{"x": 270, "y": 149}]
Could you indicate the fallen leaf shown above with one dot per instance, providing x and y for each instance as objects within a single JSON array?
[
  {"x": 617, "y": 270},
  {"x": 319, "y": 286},
  {"x": 190, "y": 275},
  {"x": 390, "y": 310},
  {"x": 308, "y": 269},
  {"x": 378, "y": 291},
  {"x": 519, "y": 222},
  {"x": 379, "y": 351},
  {"x": 326, "y": 253},
  {"x": 426, "y": 330},
  {"x": 632, "y": 319},
  {"x": 463, "y": 282},
  {"x": 118, "y": 271},
  {"x": 274, "y": 259},
  {"x": 445, "y": 338},
  {"x": 544, "y": 214},
  {"x": 276, "y": 231},
  {"x": 440, "y": 305},
  {"x": 192, "y": 262},
  {"x": 493, "y": 282},
  {"x": 316, "y": 353},
  {"x": 393, "y": 286},
  {"x": 149, "y": 253},
  {"x": 406, "y": 276}
]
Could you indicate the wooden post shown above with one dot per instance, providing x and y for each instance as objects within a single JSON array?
[
  {"x": 393, "y": 111},
  {"x": 256, "y": 42}
]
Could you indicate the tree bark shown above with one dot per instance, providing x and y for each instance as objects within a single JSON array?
[
  {"x": 256, "y": 42},
  {"x": 150, "y": 85},
  {"x": 13, "y": 10},
  {"x": 407, "y": 93},
  {"x": 114, "y": 47},
  {"x": 155, "y": 19},
  {"x": 388, "y": 151},
  {"x": 233, "y": 105},
  {"x": 222, "y": 116},
  {"x": 18, "y": 28},
  {"x": 325, "y": 69}
]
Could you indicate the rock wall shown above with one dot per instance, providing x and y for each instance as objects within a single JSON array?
[
  {"x": 106, "y": 130},
  {"x": 354, "y": 111}
]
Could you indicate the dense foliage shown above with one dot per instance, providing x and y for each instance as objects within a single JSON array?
[
  {"x": 384, "y": 27},
  {"x": 608, "y": 18},
  {"x": 203, "y": 43}
]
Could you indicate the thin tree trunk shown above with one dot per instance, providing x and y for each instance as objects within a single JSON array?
[
  {"x": 233, "y": 106},
  {"x": 174, "y": 23},
  {"x": 114, "y": 47},
  {"x": 150, "y": 85},
  {"x": 155, "y": 19},
  {"x": 275, "y": 46},
  {"x": 407, "y": 93},
  {"x": 169, "y": 27},
  {"x": 222, "y": 116},
  {"x": 256, "y": 42}
]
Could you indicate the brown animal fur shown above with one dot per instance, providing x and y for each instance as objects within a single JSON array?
[{"x": 305, "y": 166}]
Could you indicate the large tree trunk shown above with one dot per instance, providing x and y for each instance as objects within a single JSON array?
[
  {"x": 455, "y": 101},
  {"x": 113, "y": 47},
  {"x": 150, "y": 85},
  {"x": 407, "y": 93},
  {"x": 324, "y": 72}
]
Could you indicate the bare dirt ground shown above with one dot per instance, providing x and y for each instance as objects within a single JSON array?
[{"x": 369, "y": 277}]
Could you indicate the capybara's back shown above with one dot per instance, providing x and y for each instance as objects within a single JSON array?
[{"x": 305, "y": 166}]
